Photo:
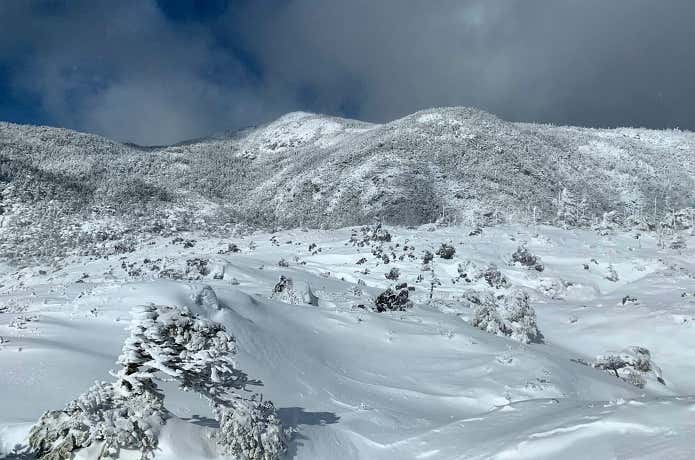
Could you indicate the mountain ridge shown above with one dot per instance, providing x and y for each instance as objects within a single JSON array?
[{"x": 447, "y": 164}]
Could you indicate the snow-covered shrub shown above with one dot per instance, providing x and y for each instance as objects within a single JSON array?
[
  {"x": 555, "y": 288},
  {"x": 507, "y": 315},
  {"x": 632, "y": 365},
  {"x": 197, "y": 268},
  {"x": 466, "y": 271},
  {"x": 285, "y": 291},
  {"x": 489, "y": 217},
  {"x": 283, "y": 263},
  {"x": 517, "y": 311},
  {"x": 472, "y": 298},
  {"x": 251, "y": 430},
  {"x": 677, "y": 242},
  {"x": 611, "y": 219},
  {"x": 446, "y": 251},
  {"x": 628, "y": 299},
  {"x": 469, "y": 272},
  {"x": 494, "y": 277},
  {"x": 427, "y": 258},
  {"x": 634, "y": 378},
  {"x": 230, "y": 249},
  {"x": 124, "y": 247},
  {"x": 283, "y": 284},
  {"x": 488, "y": 319},
  {"x": 102, "y": 414},
  {"x": 378, "y": 234},
  {"x": 128, "y": 414},
  {"x": 612, "y": 274},
  {"x": 172, "y": 274},
  {"x": 196, "y": 352},
  {"x": 434, "y": 282},
  {"x": 477, "y": 231},
  {"x": 684, "y": 219},
  {"x": 393, "y": 274},
  {"x": 394, "y": 299},
  {"x": 524, "y": 257}
]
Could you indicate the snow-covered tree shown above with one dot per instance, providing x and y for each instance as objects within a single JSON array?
[
  {"x": 634, "y": 211},
  {"x": 394, "y": 299},
  {"x": 520, "y": 316},
  {"x": 487, "y": 318},
  {"x": 286, "y": 291},
  {"x": 608, "y": 220},
  {"x": 251, "y": 430},
  {"x": 101, "y": 415},
  {"x": 583, "y": 213},
  {"x": 612, "y": 274},
  {"x": 523, "y": 256},
  {"x": 469, "y": 272},
  {"x": 193, "y": 351},
  {"x": 566, "y": 208},
  {"x": 506, "y": 315},
  {"x": 446, "y": 251},
  {"x": 393, "y": 274},
  {"x": 572, "y": 212},
  {"x": 633, "y": 365}
]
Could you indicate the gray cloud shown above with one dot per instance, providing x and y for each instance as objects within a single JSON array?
[
  {"x": 588, "y": 62},
  {"x": 123, "y": 69}
]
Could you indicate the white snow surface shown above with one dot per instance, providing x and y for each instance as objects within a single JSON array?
[{"x": 355, "y": 384}]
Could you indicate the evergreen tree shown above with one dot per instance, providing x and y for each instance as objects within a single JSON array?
[
  {"x": 583, "y": 213},
  {"x": 567, "y": 209},
  {"x": 195, "y": 352}
]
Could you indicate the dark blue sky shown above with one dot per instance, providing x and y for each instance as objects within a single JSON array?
[{"x": 160, "y": 71}]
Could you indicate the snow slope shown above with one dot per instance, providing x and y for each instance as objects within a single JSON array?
[
  {"x": 354, "y": 384},
  {"x": 453, "y": 164}
]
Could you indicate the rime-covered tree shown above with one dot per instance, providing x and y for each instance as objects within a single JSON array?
[
  {"x": 102, "y": 414},
  {"x": 506, "y": 315},
  {"x": 194, "y": 352},
  {"x": 250, "y": 430},
  {"x": 583, "y": 213},
  {"x": 572, "y": 212}
]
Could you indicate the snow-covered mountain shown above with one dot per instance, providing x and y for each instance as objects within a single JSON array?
[
  {"x": 453, "y": 164},
  {"x": 530, "y": 294}
]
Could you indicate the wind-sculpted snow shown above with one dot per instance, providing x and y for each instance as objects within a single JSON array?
[
  {"x": 66, "y": 189},
  {"x": 610, "y": 379}
]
